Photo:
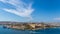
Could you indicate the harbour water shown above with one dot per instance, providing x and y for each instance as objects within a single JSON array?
[{"x": 42, "y": 31}]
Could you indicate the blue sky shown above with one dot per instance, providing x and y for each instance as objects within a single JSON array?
[{"x": 30, "y": 10}]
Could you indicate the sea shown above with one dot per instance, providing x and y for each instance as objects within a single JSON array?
[{"x": 41, "y": 31}]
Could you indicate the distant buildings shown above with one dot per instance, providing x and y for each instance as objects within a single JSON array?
[{"x": 28, "y": 26}]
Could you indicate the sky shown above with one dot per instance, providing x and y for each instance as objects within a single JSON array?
[{"x": 30, "y": 10}]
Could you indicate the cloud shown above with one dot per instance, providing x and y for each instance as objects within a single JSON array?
[
  {"x": 56, "y": 18},
  {"x": 21, "y": 8}
]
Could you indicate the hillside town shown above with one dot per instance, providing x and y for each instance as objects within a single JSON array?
[{"x": 27, "y": 26}]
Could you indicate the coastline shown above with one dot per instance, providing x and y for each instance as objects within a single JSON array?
[{"x": 28, "y": 26}]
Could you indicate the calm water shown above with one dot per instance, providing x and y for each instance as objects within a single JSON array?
[{"x": 45, "y": 31}]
